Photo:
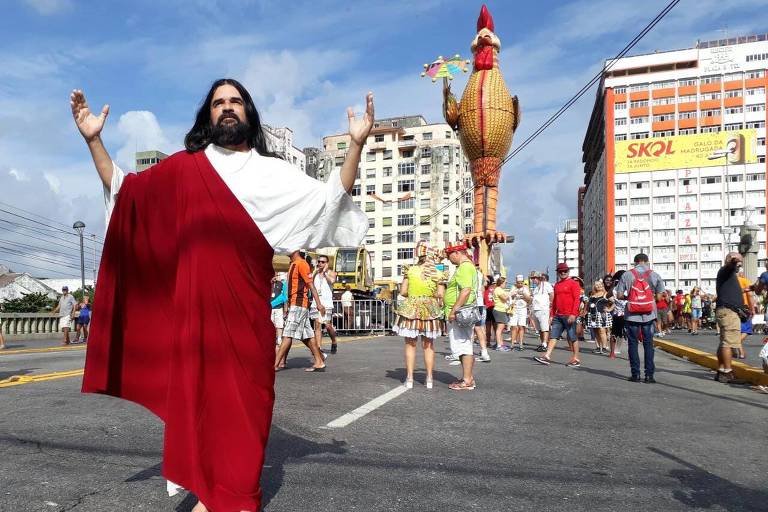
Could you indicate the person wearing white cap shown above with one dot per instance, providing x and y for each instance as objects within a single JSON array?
[
  {"x": 65, "y": 308},
  {"x": 520, "y": 297}
]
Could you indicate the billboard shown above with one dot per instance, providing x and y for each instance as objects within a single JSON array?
[{"x": 684, "y": 151}]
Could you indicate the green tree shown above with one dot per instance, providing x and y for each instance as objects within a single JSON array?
[{"x": 29, "y": 303}]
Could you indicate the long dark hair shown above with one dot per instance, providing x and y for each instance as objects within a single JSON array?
[{"x": 199, "y": 136}]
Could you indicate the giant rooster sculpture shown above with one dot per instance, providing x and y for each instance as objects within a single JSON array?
[{"x": 486, "y": 118}]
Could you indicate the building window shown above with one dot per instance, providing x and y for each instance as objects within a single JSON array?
[
  {"x": 687, "y": 131},
  {"x": 620, "y": 137},
  {"x": 387, "y": 172},
  {"x": 425, "y": 185},
  {"x": 639, "y": 201},
  {"x": 405, "y": 219},
  {"x": 405, "y": 236},
  {"x": 620, "y": 90},
  {"x": 341, "y": 145},
  {"x": 621, "y": 202},
  {"x": 712, "y": 79},
  {"x": 426, "y": 152},
  {"x": 424, "y": 203},
  {"x": 406, "y": 168},
  {"x": 757, "y": 107},
  {"x": 686, "y": 98},
  {"x": 686, "y": 82},
  {"x": 671, "y": 100},
  {"x": 370, "y": 156},
  {"x": 735, "y": 93},
  {"x": 386, "y": 255},
  {"x": 386, "y": 221},
  {"x": 387, "y": 188},
  {"x": 405, "y": 254},
  {"x": 663, "y": 117},
  {"x": 756, "y": 91},
  {"x": 446, "y": 219},
  {"x": 664, "y": 200},
  {"x": 386, "y": 271},
  {"x": 407, "y": 153},
  {"x": 664, "y": 133},
  {"x": 386, "y": 238},
  {"x": 426, "y": 168},
  {"x": 387, "y": 154},
  {"x": 370, "y": 173},
  {"x": 638, "y": 135},
  {"x": 710, "y": 180},
  {"x": 406, "y": 204},
  {"x": 710, "y": 129},
  {"x": 370, "y": 189},
  {"x": 709, "y": 96},
  {"x": 355, "y": 190},
  {"x": 621, "y": 105},
  {"x": 620, "y": 121},
  {"x": 638, "y": 103},
  {"x": 638, "y": 87},
  {"x": 379, "y": 137},
  {"x": 371, "y": 223},
  {"x": 620, "y": 186},
  {"x": 755, "y": 124},
  {"x": 424, "y": 220},
  {"x": 730, "y": 127},
  {"x": 370, "y": 206},
  {"x": 711, "y": 112},
  {"x": 641, "y": 185},
  {"x": 406, "y": 185},
  {"x": 687, "y": 115}
]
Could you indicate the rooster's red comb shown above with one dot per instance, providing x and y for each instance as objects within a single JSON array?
[{"x": 485, "y": 20}]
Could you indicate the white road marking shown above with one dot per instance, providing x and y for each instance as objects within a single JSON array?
[{"x": 346, "y": 419}]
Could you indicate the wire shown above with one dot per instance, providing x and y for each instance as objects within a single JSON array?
[
  {"x": 17, "y": 225},
  {"x": 27, "y": 235},
  {"x": 9, "y": 260},
  {"x": 44, "y": 218},
  {"x": 44, "y": 224},
  {"x": 18, "y": 252},
  {"x": 66, "y": 256}
]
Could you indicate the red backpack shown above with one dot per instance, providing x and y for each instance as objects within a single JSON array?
[{"x": 640, "y": 300}]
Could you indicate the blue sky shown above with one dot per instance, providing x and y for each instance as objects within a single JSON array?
[{"x": 304, "y": 62}]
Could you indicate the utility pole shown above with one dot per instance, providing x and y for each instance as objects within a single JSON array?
[{"x": 79, "y": 226}]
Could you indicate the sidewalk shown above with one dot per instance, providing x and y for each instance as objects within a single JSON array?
[
  {"x": 12, "y": 345},
  {"x": 708, "y": 340}
]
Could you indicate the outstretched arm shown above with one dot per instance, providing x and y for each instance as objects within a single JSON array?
[
  {"x": 90, "y": 127},
  {"x": 358, "y": 132}
]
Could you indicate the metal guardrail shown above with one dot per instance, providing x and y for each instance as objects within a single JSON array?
[
  {"x": 29, "y": 325},
  {"x": 373, "y": 316}
]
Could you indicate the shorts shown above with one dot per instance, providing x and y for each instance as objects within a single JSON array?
[
  {"x": 460, "y": 339},
  {"x": 560, "y": 325},
  {"x": 541, "y": 320},
  {"x": 65, "y": 322},
  {"x": 483, "y": 316},
  {"x": 661, "y": 314},
  {"x": 730, "y": 328},
  {"x": 746, "y": 326},
  {"x": 696, "y": 313},
  {"x": 297, "y": 324},
  {"x": 500, "y": 317},
  {"x": 599, "y": 320},
  {"x": 314, "y": 314},
  {"x": 519, "y": 318},
  {"x": 277, "y": 318},
  {"x": 82, "y": 321}
]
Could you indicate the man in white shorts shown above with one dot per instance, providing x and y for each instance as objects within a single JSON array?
[
  {"x": 520, "y": 297},
  {"x": 279, "y": 302},
  {"x": 65, "y": 309},
  {"x": 542, "y": 301},
  {"x": 323, "y": 278}
]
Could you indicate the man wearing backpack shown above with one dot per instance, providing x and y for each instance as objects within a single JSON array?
[{"x": 641, "y": 287}]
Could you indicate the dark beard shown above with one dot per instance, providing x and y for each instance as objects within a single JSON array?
[{"x": 229, "y": 134}]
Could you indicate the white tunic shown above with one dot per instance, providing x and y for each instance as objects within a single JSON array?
[{"x": 292, "y": 210}]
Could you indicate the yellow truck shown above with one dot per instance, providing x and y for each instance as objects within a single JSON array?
[{"x": 352, "y": 265}]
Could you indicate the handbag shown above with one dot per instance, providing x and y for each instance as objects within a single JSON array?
[{"x": 467, "y": 316}]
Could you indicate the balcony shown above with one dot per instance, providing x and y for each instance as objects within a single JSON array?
[{"x": 407, "y": 144}]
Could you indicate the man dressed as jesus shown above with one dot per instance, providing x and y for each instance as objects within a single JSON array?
[{"x": 188, "y": 258}]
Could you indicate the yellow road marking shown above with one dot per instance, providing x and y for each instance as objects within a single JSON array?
[
  {"x": 39, "y": 350},
  {"x": 17, "y": 380}
]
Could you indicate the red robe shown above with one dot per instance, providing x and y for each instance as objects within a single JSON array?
[{"x": 183, "y": 326}]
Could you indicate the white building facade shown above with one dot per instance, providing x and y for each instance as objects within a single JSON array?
[
  {"x": 568, "y": 245},
  {"x": 413, "y": 183},
  {"x": 654, "y": 181},
  {"x": 280, "y": 140}
]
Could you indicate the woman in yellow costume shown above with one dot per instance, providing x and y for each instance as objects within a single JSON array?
[{"x": 420, "y": 314}]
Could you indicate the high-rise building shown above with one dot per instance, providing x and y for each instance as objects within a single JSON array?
[
  {"x": 568, "y": 246},
  {"x": 411, "y": 183},
  {"x": 146, "y": 159},
  {"x": 675, "y": 160},
  {"x": 280, "y": 140}
]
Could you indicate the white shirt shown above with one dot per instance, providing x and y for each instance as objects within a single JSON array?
[
  {"x": 346, "y": 299},
  {"x": 292, "y": 210},
  {"x": 480, "y": 289},
  {"x": 541, "y": 301},
  {"x": 324, "y": 291},
  {"x": 518, "y": 296}
]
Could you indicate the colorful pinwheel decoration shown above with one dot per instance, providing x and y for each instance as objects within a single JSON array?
[{"x": 442, "y": 68}]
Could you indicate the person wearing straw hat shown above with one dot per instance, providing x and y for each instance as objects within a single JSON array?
[{"x": 420, "y": 314}]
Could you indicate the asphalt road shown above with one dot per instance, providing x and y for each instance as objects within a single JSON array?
[{"x": 528, "y": 438}]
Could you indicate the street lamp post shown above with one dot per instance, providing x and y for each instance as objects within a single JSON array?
[
  {"x": 79, "y": 226},
  {"x": 726, "y": 230},
  {"x": 93, "y": 239}
]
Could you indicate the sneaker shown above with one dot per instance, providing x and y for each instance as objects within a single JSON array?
[
  {"x": 574, "y": 363},
  {"x": 483, "y": 358},
  {"x": 451, "y": 357},
  {"x": 597, "y": 351},
  {"x": 541, "y": 348},
  {"x": 504, "y": 348},
  {"x": 519, "y": 348},
  {"x": 454, "y": 363},
  {"x": 542, "y": 360},
  {"x": 725, "y": 377},
  {"x": 634, "y": 378}
]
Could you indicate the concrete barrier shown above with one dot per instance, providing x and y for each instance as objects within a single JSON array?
[
  {"x": 29, "y": 326},
  {"x": 741, "y": 371}
]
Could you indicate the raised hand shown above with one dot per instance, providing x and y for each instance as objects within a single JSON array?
[
  {"x": 360, "y": 128},
  {"x": 90, "y": 126}
]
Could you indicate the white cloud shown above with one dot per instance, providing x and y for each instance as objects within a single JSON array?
[
  {"x": 19, "y": 175},
  {"x": 54, "y": 183},
  {"x": 48, "y": 7},
  {"x": 139, "y": 131}
]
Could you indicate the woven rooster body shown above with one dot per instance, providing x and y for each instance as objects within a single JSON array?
[{"x": 486, "y": 118}]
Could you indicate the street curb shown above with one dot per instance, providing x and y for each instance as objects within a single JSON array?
[{"x": 742, "y": 371}]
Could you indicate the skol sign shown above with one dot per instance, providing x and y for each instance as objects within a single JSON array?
[{"x": 684, "y": 151}]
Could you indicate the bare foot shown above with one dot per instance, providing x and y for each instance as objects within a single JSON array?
[{"x": 199, "y": 507}]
